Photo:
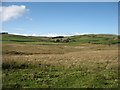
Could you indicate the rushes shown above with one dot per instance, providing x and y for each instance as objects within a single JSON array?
[
  {"x": 75, "y": 68},
  {"x": 90, "y": 58}
]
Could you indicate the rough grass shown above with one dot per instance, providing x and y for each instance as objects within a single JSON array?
[{"x": 60, "y": 66}]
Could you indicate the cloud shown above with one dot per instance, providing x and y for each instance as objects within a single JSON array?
[
  {"x": 12, "y": 12},
  {"x": 35, "y": 34},
  {"x": 81, "y": 33},
  {"x": 28, "y": 18},
  {"x": 20, "y": 34},
  {"x": 55, "y": 34},
  {"x": 52, "y": 34}
]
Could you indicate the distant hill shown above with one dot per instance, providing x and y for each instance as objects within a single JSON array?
[{"x": 91, "y": 38}]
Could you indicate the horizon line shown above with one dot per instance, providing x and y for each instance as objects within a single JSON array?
[{"x": 56, "y": 35}]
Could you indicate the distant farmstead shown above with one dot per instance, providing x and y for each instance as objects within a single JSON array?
[{"x": 64, "y": 40}]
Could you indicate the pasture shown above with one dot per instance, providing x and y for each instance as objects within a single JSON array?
[{"x": 59, "y": 65}]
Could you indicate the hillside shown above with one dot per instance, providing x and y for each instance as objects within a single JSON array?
[
  {"x": 84, "y": 61},
  {"x": 71, "y": 40}
]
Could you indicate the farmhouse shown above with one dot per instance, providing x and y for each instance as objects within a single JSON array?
[{"x": 66, "y": 40}]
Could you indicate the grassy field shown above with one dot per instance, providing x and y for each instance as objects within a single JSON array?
[{"x": 47, "y": 64}]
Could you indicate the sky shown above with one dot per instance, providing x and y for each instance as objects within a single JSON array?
[{"x": 59, "y": 18}]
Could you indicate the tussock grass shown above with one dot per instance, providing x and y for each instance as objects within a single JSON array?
[{"x": 60, "y": 66}]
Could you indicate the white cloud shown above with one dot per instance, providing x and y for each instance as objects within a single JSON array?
[
  {"x": 35, "y": 34},
  {"x": 52, "y": 34},
  {"x": 20, "y": 34},
  {"x": 29, "y": 18},
  {"x": 11, "y": 12},
  {"x": 83, "y": 33},
  {"x": 55, "y": 34}
]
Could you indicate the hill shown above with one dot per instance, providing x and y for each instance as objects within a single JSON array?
[
  {"x": 71, "y": 40},
  {"x": 83, "y": 61}
]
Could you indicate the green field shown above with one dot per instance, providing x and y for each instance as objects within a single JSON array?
[
  {"x": 91, "y": 39},
  {"x": 89, "y": 61}
]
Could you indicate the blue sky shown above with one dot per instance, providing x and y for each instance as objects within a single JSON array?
[{"x": 62, "y": 18}]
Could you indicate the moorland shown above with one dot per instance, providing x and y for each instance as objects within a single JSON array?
[{"x": 81, "y": 61}]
